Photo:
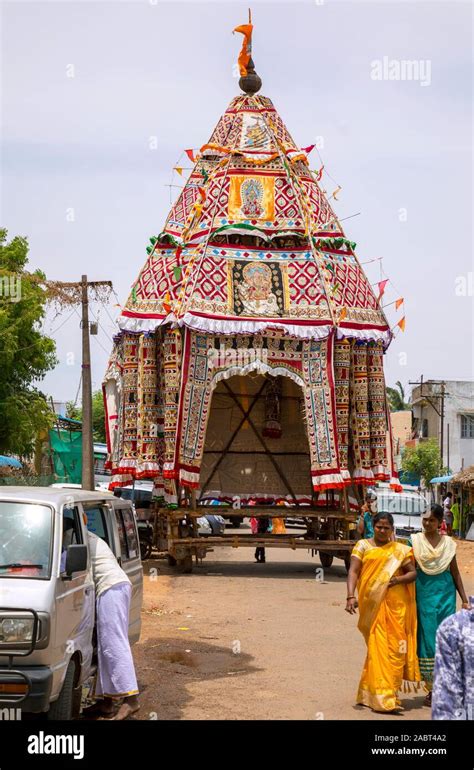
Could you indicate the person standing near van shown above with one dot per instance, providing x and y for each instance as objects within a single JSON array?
[{"x": 116, "y": 678}]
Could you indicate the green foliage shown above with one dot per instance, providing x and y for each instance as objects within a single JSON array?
[
  {"x": 396, "y": 398},
  {"x": 424, "y": 460},
  {"x": 25, "y": 353},
  {"x": 98, "y": 415}
]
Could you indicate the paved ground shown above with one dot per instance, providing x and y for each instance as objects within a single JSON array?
[{"x": 255, "y": 641}]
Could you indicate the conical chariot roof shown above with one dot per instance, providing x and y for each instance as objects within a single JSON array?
[{"x": 253, "y": 243}]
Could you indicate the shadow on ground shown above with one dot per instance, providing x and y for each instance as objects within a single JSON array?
[
  {"x": 166, "y": 666},
  {"x": 276, "y": 570}
]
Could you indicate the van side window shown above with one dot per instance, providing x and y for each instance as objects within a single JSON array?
[
  {"x": 129, "y": 548},
  {"x": 72, "y": 531},
  {"x": 96, "y": 520}
]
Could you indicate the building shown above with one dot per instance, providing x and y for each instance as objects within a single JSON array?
[
  {"x": 401, "y": 433},
  {"x": 444, "y": 410}
]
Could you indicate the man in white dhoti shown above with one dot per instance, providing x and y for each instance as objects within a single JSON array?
[{"x": 116, "y": 679}]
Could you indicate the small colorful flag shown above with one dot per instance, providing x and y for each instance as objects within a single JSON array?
[
  {"x": 191, "y": 156},
  {"x": 179, "y": 169},
  {"x": 307, "y": 150},
  {"x": 336, "y": 191},
  {"x": 398, "y": 302},
  {"x": 401, "y": 323},
  {"x": 382, "y": 285}
]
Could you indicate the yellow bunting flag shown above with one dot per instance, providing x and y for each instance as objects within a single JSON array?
[
  {"x": 398, "y": 302},
  {"x": 166, "y": 302},
  {"x": 179, "y": 169},
  {"x": 336, "y": 192},
  {"x": 401, "y": 323}
]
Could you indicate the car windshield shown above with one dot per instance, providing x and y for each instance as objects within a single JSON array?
[{"x": 25, "y": 540}]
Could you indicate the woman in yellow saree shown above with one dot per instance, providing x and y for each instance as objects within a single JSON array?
[{"x": 384, "y": 572}]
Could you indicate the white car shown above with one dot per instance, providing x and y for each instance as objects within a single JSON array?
[{"x": 407, "y": 508}]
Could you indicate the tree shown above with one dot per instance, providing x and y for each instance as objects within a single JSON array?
[
  {"x": 26, "y": 354},
  {"x": 423, "y": 460},
  {"x": 396, "y": 398},
  {"x": 98, "y": 415}
]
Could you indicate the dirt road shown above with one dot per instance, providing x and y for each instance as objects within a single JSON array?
[{"x": 243, "y": 640}]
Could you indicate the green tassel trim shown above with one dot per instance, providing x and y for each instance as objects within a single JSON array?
[{"x": 334, "y": 243}]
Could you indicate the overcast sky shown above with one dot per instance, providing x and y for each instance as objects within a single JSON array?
[{"x": 86, "y": 84}]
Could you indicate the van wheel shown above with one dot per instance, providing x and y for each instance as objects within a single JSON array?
[
  {"x": 146, "y": 548},
  {"x": 63, "y": 707}
]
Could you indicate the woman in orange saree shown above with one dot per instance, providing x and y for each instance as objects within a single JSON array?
[{"x": 384, "y": 572}]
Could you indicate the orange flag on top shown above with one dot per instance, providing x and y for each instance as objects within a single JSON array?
[
  {"x": 401, "y": 323},
  {"x": 398, "y": 302},
  {"x": 246, "y": 50}
]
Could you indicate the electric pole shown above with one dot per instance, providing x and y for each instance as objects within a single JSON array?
[
  {"x": 87, "y": 437},
  {"x": 439, "y": 411},
  {"x": 71, "y": 293}
]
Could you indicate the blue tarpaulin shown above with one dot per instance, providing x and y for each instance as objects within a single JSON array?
[
  {"x": 441, "y": 479},
  {"x": 10, "y": 462}
]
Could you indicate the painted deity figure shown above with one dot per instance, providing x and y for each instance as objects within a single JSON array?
[
  {"x": 256, "y": 292},
  {"x": 251, "y": 194}
]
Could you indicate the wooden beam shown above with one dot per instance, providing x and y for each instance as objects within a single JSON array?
[{"x": 255, "y": 452}]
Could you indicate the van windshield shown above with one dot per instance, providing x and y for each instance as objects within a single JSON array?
[{"x": 25, "y": 540}]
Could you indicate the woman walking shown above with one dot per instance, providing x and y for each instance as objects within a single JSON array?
[
  {"x": 384, "y": 572},
  {"x": 437, "y": 578}
]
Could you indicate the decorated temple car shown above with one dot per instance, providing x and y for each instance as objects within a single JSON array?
[{"x": 249, "y": 362}]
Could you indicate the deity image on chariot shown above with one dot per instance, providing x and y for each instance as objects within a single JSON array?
[
  {"x": 251, "y": 193},
  {"x": 255, "y": 292},
  {"x": 255, "y": 135}
]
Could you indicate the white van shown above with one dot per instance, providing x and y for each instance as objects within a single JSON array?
[{"x": 47, "y": 600}]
